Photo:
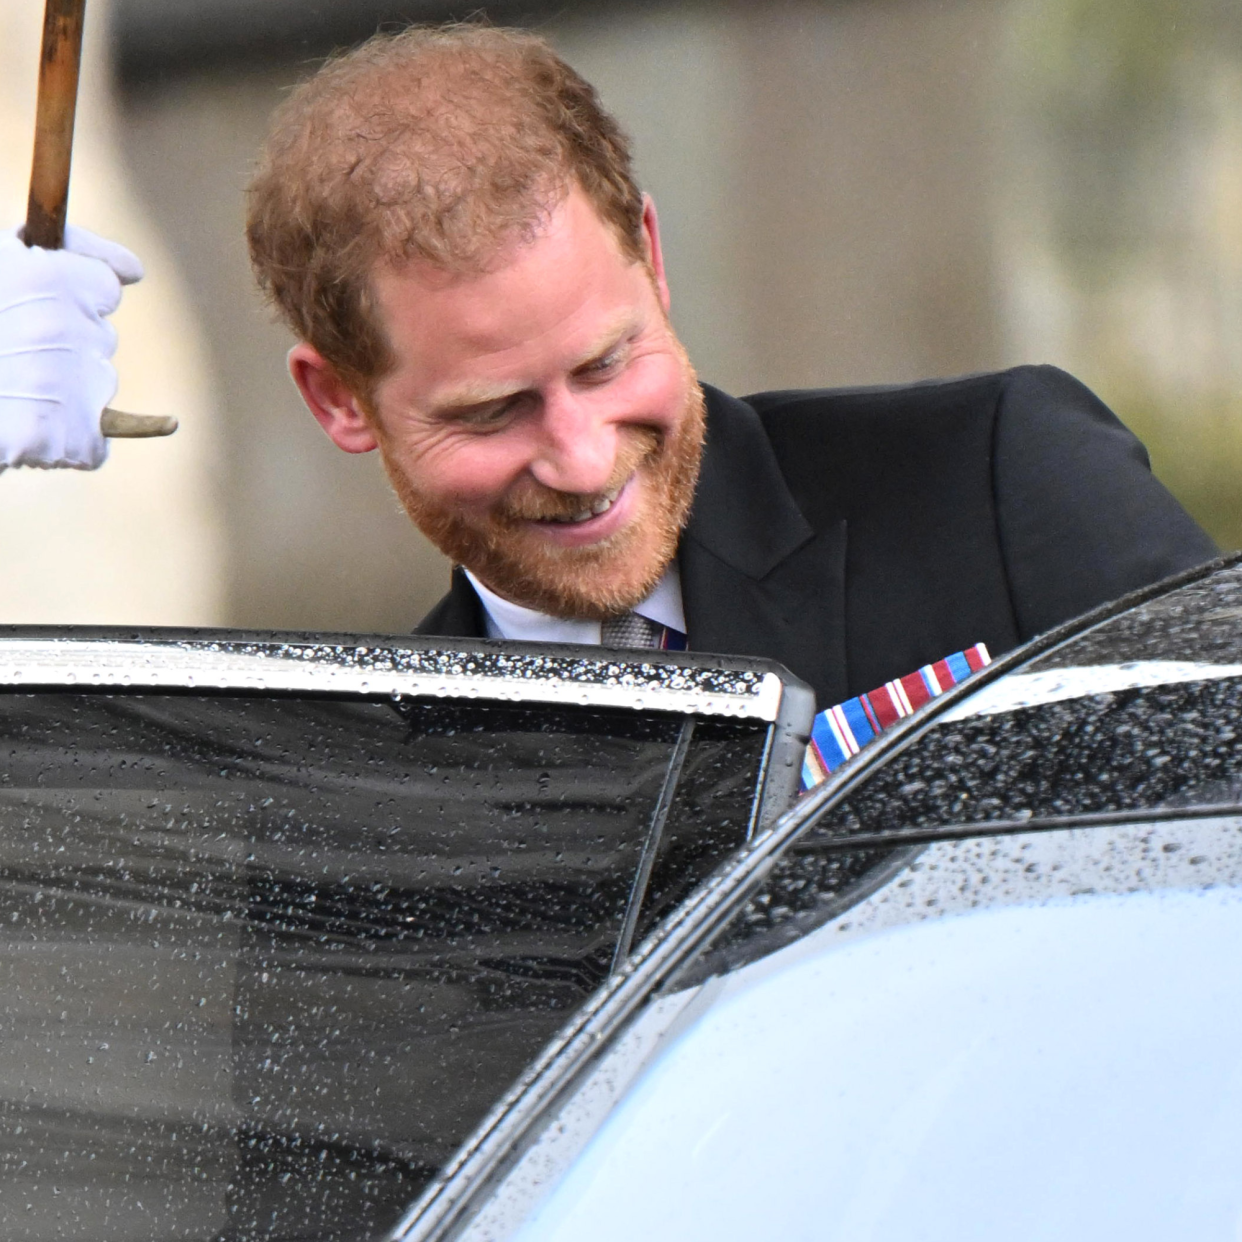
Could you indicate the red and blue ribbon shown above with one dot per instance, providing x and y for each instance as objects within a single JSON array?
[{"x": 842, "y": 731}]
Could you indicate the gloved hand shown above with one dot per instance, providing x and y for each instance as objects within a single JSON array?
[{"x": 56, "y": 373}]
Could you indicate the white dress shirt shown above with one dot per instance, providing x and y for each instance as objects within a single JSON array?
[{"x": 508, "y": 620}]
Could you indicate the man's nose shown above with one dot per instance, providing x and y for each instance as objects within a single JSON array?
[{"x": 577, "y": 447}]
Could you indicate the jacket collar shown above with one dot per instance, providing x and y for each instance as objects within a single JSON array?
[
  {"x": 756, "y": 578},
  {"x": 459, "y": 614},
  {"x": 743, "y": 512}
]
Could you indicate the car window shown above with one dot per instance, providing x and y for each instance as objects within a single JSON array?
[{"x": 268, "y": 958}]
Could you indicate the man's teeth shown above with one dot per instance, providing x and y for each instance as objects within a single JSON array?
[{"x": 602, "y": 505}]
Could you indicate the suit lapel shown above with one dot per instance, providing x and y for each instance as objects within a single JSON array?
[
  {"x": 459, "y": 614},
  {"x": 756, "y": 578}
]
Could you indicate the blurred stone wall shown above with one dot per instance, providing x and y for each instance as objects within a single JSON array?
[{"x": 1119, "y": 220}]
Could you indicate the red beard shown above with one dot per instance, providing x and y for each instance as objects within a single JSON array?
[{"x": 506, "y": 552}]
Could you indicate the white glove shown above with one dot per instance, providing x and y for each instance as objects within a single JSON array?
[{"x": 56, "y": 373}]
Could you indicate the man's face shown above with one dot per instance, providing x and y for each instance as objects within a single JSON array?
[{"x": 542, "y": 424}]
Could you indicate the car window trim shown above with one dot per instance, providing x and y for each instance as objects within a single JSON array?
[
  {"x": 682, "y": 684},
  {"x": 897, "y": 837},
  {"x": 651, "y": 845}
]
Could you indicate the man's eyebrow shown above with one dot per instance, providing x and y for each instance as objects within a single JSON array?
[
  {"x": 606, "y": 342},
  {"x": 470, "y": 396}
]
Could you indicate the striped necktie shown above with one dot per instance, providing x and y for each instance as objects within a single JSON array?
[{"x": 632, "y": 629}]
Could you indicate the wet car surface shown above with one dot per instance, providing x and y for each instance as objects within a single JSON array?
[
  {"x": 983, "y": 983},
  {"x": 341, "y": 939}
]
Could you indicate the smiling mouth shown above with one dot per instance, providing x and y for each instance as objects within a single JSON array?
[{"x": 601, "y": 505}]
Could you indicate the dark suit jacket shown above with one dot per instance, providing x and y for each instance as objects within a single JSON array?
[{"x": 855, "y": 535}]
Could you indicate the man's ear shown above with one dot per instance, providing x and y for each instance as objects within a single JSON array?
[
  {"x": 330, "y": 400},
  {"x": 655, "y": 256}
]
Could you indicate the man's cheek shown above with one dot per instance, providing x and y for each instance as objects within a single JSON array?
[
  {"x": 474, "y": 483},
  {"x": 654, "y": 389}
]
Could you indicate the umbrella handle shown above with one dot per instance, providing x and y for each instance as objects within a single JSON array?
[{"x": 59, "y": 61}]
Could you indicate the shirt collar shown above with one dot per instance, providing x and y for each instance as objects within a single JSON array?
[{"x": 506, "y": 619}]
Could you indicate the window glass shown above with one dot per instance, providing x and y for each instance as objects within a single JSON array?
[
  {"x": 267, "y": 960},
  {"x": 1201, "y": 622},
  {"x": 712, "y": 815}
]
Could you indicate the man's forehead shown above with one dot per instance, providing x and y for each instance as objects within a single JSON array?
[{"x": 556, "y": 302}]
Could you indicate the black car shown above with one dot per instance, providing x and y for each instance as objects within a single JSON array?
[{"x": 331, "y": 937}]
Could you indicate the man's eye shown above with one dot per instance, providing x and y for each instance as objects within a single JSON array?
[
  {"x": 489, "y": 416},
  {"x": 605, "y": 365}
]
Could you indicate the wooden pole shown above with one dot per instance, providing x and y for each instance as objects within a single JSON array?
[
  {"x": 58, "y": 99},
  {"x": 59, "y": 63}
]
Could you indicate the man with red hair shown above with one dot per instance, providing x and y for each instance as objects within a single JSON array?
[{"x": 448, "y": 220}]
